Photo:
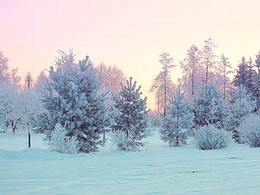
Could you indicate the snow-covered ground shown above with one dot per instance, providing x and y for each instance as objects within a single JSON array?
[{"x": 157, "y": 169}]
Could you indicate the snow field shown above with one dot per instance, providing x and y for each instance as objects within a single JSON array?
[{"x": 156, "y": 169}]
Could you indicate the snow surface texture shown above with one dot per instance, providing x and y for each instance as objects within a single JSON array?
[{"x": 156, "y": 169}]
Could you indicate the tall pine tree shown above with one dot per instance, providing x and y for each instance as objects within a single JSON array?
[
  {"x": 245, "y": 76},
  {"x": 162, "y": 84},
  {"x": 190, "y": 67}
]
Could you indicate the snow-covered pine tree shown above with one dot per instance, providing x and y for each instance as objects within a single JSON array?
[
  {"x": 224, "y": 70},
  {"x": 210, "y": 108},
  {"x": 40, "y": 82},
  {"x": 208, "y": 58},
  {"x": 190, "y": 66},
  {"x": 245, "y": 76},
  {"x": 257, "y": 80},
  {"x": 162, "y": 84},
  {"x": 131, "y": 116},
  {"x": 71, "y": 98},
  {"x": 178, "y": 122},
  {"x": 241, "y": 107}
]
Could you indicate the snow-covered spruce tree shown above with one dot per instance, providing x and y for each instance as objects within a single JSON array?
[
  {"x": 209, "y": 107},
  {"x": 250, "y": 131},
  {"x": 178, "y": 122},
  {"x": 257, "y": 80},
  {"x": 131, "y": 116},
  {"x": 241, "y": 107},
  {"x": 61, "y": 142},
  {"x": 245, "y": 76},
  {"x": 71, "y": 98}
]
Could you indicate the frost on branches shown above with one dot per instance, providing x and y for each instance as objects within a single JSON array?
[
  {"x": 250, "y": 131},
  {"x": 131, "y": 118},
  {"x": 178, "y": 122},
  {"x": 210, "y": 138},
  {"x": 71, "y": 98},
  {"x": 61, "y": 142},
  {"x": 242, "y": 106},
  {"x": 210, "y": 108}
]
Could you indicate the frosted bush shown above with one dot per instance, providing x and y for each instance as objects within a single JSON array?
[
  {"x": 60, "y": 142},
  {"x": 210, "y": 138},
  {"x": 250, "y": 131},
  {"x": 123, "y": 140}
]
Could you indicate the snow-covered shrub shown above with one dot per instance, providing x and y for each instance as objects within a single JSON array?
[
  {"x": 61, "y": 142},
  {"x": 210, "y": 138},
  {"x": 123, "y": 141},
  {"x": 250, "y": 131}
]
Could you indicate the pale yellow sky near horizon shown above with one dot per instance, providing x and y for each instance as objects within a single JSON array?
[{"x": 130, "y": 34}]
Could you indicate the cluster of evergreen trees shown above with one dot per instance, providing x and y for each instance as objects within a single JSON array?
[
  {"x": 206, "y": 96},
  {"x": 207, "y": 108},
  {"x": 73, "y": 99},
  {"x": 75, "y": 105},
  {"x": 77, "y": 101}
]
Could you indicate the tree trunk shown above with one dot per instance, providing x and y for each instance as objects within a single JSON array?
[
  {"x": 29, "y": 139},
  {"x": 177, "y": 140},
  {"x": 164, "y": 109},
  {"x": 207, "y": 73},
  {"x": 192, "y": 82},
  {"x": 158, "y": 104}
]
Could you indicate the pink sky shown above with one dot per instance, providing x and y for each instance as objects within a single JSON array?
[{"x": 128, "y": 33}]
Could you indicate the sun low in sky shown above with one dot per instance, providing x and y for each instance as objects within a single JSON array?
[{"x": 130, "y": 34}]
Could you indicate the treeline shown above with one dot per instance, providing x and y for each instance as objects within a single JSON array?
[
  {"x": 21, "y": 97},
  {"x": 77, "y": 104},
  {"x": 206, "y": 98},
  {"x": 203, "y": 66}
]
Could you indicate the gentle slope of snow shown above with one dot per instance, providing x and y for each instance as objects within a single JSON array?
[{"x": 157, "y": 169}]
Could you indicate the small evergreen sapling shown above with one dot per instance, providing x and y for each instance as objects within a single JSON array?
[
  {"x": 131, "y": 117},
  {"x": 178, "y": 122}
]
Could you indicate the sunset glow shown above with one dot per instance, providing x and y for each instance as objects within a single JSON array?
[{"x": 130, "y": 34}]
